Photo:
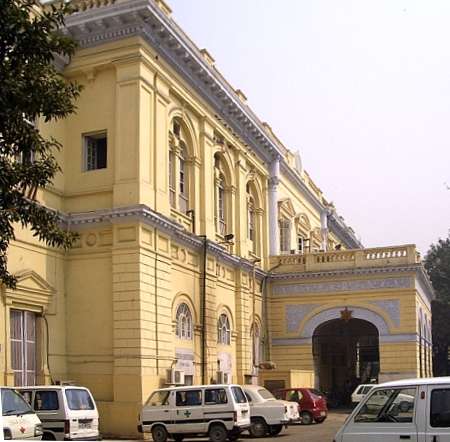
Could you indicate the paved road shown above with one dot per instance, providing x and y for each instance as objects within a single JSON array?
[
  {"x": 297, "y": 433},
  {"x": 308, "y": 433}
]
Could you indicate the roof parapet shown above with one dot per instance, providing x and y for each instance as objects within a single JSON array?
[{"x": 207, "y": 56}]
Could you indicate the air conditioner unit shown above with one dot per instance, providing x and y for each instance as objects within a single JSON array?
[
  {"x": 175, "y": 377},
  {"x": 220, "y": 377},
  {"x": 223, "y": 378}
]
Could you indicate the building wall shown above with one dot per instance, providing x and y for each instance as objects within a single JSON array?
[{"x": 111, "y": 301}]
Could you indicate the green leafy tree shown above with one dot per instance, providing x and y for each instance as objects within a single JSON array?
[
  {"x": 30, "y": 88},
  {"x": 437, "y": 263}
]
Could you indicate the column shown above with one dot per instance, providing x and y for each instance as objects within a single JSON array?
[{"x": 274, "y": 237}]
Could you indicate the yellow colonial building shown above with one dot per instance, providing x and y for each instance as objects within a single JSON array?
[{"x": 206, "y": 253}]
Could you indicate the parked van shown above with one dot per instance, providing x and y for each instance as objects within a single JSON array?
[
  {"x": 217, "y": 411},
  {"x": 19, "y": 420},
  {"x": 417, "y": 410},
  {"x": 67, "y": 412}
]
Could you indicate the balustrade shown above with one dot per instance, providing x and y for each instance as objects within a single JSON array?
[{"x": 343, "y": 259}]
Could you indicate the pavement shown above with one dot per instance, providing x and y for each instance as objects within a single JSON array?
[{"x": 323, "y": 432}]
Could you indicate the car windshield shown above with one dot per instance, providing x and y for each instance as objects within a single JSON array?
[
  {"x": 78, "y": 399},
  {"x": 13, "y": 403},
  {"x": 158, "y": 398},
  {"x": 265, "y": 394}
]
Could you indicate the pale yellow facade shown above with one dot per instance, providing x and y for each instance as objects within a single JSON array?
[{"x": 180, "y": 173}]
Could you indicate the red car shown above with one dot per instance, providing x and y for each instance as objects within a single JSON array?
[{"x": 312, "y": 403}]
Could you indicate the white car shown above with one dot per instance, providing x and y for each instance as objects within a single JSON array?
[
  {"x": 360, "y": 392},
  {"x": 19, "y": 420},
  {"x": 67, "y": 412},
  {"x": 268, "y": 415},
  {"x": 410, "y": 409},
  {"x": 217, "y": 411}
]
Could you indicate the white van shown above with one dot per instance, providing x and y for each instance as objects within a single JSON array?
[
  {"x": 67, "y": 412},
  {"x": 19, "y": 420},
  {"x": 218, "y": 411},
  {"x": 417, "y": 410}
]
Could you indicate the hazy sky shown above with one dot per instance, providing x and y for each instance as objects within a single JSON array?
[{"x": 361, "y": 88}]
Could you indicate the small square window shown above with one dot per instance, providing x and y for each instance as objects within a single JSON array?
[{"x": 95, "y": 151}]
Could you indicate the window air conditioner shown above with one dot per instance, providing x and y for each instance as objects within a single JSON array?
[
  {"x": 220, "y": 377},
  {"x": 175, "y": 377}
]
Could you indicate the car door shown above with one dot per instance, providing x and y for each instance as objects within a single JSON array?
[
  {"x": 438, "y": 414},
  {"x": 189, "y": 411},
  {"x": 386, "y": 415}
]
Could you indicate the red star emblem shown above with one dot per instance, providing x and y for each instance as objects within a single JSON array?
[
  {"x": 346, "y": 314},
  {"x": 22, "y": 429}
]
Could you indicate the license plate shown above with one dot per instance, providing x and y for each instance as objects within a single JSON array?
[
  {"x": 84, "y": 425},
  {"x": 322, "y": 413}
]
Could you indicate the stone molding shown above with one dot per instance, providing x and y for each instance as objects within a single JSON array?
[
  {"x": 145, "y": 18},
  {"x": 394, "y": 338},
  {"x": 144, "y": 214},
  {"x": 342, "y": 286}
]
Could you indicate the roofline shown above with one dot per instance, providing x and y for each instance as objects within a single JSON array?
[{"x": 146, "y": 19}]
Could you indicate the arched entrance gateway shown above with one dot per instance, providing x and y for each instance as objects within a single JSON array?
[{"x": 346, "y": 354}]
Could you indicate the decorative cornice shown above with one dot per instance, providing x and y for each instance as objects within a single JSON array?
[
  {"x": 145, "y": 18},
  {"x": 148, "y": 216}
]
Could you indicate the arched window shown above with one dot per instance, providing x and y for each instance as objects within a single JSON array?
[
  {"x": 183, "y": 181},
  {"x": 223, "y": 330},
  {"x": 184, "y": 322},
  {"x": 178, "y": 167},
  {"x": 221, "y": 207}
]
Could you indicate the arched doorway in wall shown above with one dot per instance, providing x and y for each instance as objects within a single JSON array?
[{"x": 346, "y": 354}]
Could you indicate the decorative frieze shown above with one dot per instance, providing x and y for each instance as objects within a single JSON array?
[{"x": 293, "y": 290}]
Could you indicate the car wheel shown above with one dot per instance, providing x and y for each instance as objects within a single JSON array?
[
  {"x": 217, "y": 433},
  {"x": 319, "y": 420},
  {"x": 307, "y": 418},
  {"x": 275, "y": 429},
  {"x": 258, "y": 427},
  {"x": 48, "y": 436},
  {"x": 177, "y": 437},
  {"x": 159, "y": 433}
]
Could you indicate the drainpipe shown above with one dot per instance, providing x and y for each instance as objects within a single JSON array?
[
  {"x": 203, "y": 309},
  {"x": 265, "y": 312}
]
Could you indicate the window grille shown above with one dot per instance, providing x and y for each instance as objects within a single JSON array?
[
  {"x": 23, "y": 347},
  {"x": 184, "y": 322},
  {"x": 223, "y": 330}
]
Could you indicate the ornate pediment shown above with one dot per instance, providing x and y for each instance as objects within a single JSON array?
[
  {"x": 286, "y": 208},
  {"x": 31, "y": 290}
]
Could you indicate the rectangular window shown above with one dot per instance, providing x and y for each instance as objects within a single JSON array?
[
  {"x": 239, "y": 395},
  {"x": 440, "y": 408},
  {"x": 300, "y": 244},
  {"x": 285, "y": 235},
  {"x": 23, "y": 347},
  {"x": 95, "y": 151},
  {"x": 389, "y": 405},
  {"x": 216, "y": 396},
  {"x": 188, "y": 398},
  {"x": 78, "y": 399},
  {"x": 46, "y": 400}
]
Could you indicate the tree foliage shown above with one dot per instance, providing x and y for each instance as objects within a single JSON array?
[
  {"x": 437, "y": 263},
  {"x": 30, "y": 88}
]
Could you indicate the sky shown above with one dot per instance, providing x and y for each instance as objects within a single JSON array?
[{"x": 360, "y": 88}]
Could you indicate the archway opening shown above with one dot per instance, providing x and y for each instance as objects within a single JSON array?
[{"x": 346, "y": 354}]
